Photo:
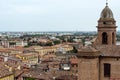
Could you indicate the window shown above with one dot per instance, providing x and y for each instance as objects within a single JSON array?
[
  {"x": 104, "y": 38},
  {"x": 107, "y": 71}
]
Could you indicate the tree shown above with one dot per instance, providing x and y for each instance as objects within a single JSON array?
[
  {"x": 75, "y": 50},
  {"x": 83, "y": 41},
  {"x": 49, "y": 44},
  {"x": 56, "y": 42},
  {"x": 28, "y": 78}
]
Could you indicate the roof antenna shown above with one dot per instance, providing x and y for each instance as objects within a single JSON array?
[{"x": 106, "y": 2}]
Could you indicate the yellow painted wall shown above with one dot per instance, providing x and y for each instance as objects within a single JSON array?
[{"x": 10, "y": 77}]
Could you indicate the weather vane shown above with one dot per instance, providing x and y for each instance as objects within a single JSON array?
[{"x": 106, "y": 2}]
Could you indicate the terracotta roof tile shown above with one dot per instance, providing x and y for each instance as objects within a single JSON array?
[
  {"x": 109, "y": 50},
  {"x": 88, "y": 51},
  {"x": 4, "y": 70},
  {"x": 74, "y": 61}
]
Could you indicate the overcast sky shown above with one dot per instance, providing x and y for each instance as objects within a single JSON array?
[{"x": 54, "y": 15}]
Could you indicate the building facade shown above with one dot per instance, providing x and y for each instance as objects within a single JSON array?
[
  {"x": 101, "y": 61},
  {"x": 6, "y": 73}
]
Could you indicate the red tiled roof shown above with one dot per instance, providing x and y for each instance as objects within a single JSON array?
[
  {"x": 109, "y": 50},
  {"x": 4, "y": 70},
  {"x": 74, "y": 61}
]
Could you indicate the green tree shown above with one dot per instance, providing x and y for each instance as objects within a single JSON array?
[
  {"x": 49, "y": 44},
  {"x": 56, "y": 42},
  {"x": 83, "y": 41},
  {"x": 29, "y": 78},
  {"x": 74, "y": 50}
]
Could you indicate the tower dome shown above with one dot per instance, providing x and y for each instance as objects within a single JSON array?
[
  {"x": 106, "y": 13},
  {"x": 106, "y": 28}
]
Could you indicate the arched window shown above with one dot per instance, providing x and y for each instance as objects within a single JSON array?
[
  {"x": 113, "y": 38},
  {"x": 104, "y": 38}
]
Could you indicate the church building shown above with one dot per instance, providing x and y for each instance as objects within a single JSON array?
[{"x": 101, "y": 61}]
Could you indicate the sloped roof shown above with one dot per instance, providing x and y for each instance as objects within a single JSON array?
[
  {"x": 109, "y": 50},
  {"x": 4, "y": 71},
  {"x": 88, "y": 51}
]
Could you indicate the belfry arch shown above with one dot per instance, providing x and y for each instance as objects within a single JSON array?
[
  {"x": 104, "y": 38},
  {"x": 106, "y": 28}
]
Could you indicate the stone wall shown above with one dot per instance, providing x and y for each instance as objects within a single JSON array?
[
  {"x": 115, "y": 68},
  {"x": 88, "y": 69}
]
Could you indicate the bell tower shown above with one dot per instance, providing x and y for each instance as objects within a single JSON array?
[{"x": 106, "y": 28}]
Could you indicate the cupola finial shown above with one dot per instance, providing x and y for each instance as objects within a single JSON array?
[{"x": 106, "y": 2}]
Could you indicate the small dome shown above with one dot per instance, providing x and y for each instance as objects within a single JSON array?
[{"x": 106, "y": 13}]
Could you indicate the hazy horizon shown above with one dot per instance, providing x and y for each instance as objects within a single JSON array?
[{"x": 53, "y": 15}]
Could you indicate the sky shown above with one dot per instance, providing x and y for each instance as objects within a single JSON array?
[{"x": 54, "y": 15}]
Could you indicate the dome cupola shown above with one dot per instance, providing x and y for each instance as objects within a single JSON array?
[
  {"x": 106, "y": 13},
  {"x": 106, "y": 28}
]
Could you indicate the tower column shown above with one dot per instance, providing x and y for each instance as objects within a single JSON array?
[
  {"x": 110, "y": 38},
  {"x": 106, "y": 28}
]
